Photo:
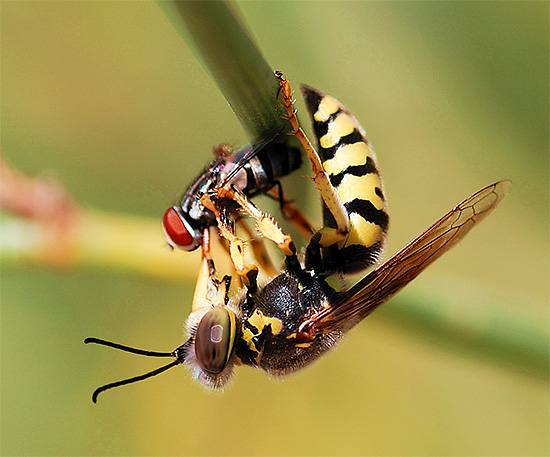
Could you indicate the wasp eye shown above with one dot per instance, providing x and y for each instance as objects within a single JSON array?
[
  {"x": 177, "y": 230},
  {"x": 214, "y": 339}
]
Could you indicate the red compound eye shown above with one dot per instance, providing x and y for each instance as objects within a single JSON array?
[{"x": 176, "y": 229}]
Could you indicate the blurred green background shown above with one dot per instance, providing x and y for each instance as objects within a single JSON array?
[{"x": 106, "y": 97}]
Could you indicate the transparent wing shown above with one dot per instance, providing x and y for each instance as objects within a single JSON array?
[
  {"x": 245, "y": 155},
  {"x": 389, "y": 278}
]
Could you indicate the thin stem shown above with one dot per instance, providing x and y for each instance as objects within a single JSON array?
[{"x": 216, "y": 35}]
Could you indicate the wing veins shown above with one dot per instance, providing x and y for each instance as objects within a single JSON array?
[{"x": 389, "y": 278}]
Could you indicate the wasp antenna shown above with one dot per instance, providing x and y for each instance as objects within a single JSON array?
[
  {"x": 128, "y": 348},
  {"x": 134, "y": 379}
]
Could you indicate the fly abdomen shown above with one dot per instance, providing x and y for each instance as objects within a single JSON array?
[
  {"x": 262, "y": 172},
  {"x": 351, "y": 165}
]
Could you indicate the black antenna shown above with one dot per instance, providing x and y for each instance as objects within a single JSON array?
[{"x": 178, "y": 353}]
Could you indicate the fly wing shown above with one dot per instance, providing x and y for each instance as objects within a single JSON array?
[
  {"x": 242, "y": 157},
  {"x": 389, "y": 278}
]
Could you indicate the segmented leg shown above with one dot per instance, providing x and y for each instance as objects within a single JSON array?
[
  {"x": 247, "y": 272},
  {"x": 265, "y": 223},
  {"x": 293, "y": 214},
  {"x": 261, "y": 256},
  {"x": 327, "y": 236},
  {"x": 207, "y": 286}
]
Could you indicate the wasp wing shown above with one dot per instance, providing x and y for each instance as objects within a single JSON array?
[{"x": 351, "y": 306}]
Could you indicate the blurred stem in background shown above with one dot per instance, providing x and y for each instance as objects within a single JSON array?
[{"x": 474, "y": 323}]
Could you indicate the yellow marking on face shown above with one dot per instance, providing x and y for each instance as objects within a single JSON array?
[
  {"x": 346, "y": 156},
  {"x": 362, "y": 232},
  {"x": 233, "y": 329},
  {"x": 341, "y": 126},
  {"x": 362, "y": 187},
  {"x": 327, "y": 107}
]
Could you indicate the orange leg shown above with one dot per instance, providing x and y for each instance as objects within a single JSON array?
[
  {"x": 247, "y": 272},
  {"x": 265, "y": 223},
  {"x": 327, "y": 236}
]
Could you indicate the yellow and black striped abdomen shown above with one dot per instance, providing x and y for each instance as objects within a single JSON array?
[{"x": 350, "y": 162}]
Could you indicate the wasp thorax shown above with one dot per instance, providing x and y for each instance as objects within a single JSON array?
[
  {"x": 178, "y": 231},
  {"x": 214, "y": 339}
]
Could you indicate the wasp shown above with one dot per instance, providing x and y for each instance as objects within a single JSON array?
[{"x": 298, "y": 316}]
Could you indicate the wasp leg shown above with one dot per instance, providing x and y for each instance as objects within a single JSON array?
[
  {"x": 269, "y": 229},
  {"x": 247, "y": 272},
  {"x": 262, "y": 258},
  {"x": 265, "y": 223},
  {"x": 327, "y": 236},
  {"x": 293, "y": 214},
  {"x": 259, "y": 250},
  {"x": 209, "y": 290}
]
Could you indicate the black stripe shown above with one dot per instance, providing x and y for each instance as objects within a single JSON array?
[
  {"x": 368, "y": 212},
  {"x": 357, "y": 257},
  {"x": 352, "y": 138},
  {"x": 351, "y": 259},
  {"x": 320, "y": 128},
  {"x": 312, "y": 98},
  {"x": 355, "y": 170}
]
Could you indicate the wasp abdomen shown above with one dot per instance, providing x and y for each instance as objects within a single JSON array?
[{"x": 351, "y": 165}]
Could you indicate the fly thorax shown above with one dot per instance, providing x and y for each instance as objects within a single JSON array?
[{"x": 239, "y": 180}]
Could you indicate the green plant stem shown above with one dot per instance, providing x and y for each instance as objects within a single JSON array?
[
  {"x": 468, "y": 319},
  {"x": 93, "y": 239},
  {"x": 220, "y": 42}
]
